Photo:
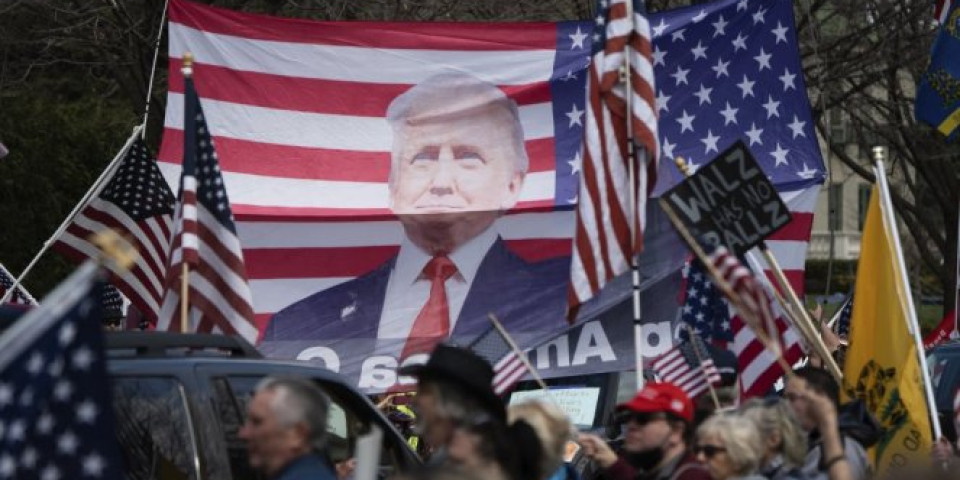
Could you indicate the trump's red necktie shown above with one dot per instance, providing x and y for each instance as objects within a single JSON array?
[{"x": 432, "y": 324}]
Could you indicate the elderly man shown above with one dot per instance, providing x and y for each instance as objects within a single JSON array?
[
  {"x": 458, "y": 162},
  {"x": 286, "y": 428}
]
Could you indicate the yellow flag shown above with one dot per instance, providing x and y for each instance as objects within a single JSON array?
[{"x": 882, "y": 367}]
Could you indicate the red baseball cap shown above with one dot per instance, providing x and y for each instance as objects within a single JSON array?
[{"x": 661, "y": 397}]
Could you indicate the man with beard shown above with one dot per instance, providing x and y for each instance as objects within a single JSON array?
[{"x": 655, "y": 429}]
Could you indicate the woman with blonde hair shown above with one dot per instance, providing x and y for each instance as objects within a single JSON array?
[
  {"x": 731, "y": 447},
  {"x": 554, "y": 430},
  {"x": 784, "y": 437}
]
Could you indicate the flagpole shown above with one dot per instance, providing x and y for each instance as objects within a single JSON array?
[
  {"x": 153, "y": 70},
  {"x": 634, "y": 227},
  {"x": 911, "y": 314},
  {"x": 519, "y": 353},
  {"x": 956, "y": 292},
  {"x": 187, "y": 69},
  {"x": 91, "y": 192},
  {"x": 719, "y": 282},
  {"x": 800, "y": 317},
  {"x": 696, "y": 350}
]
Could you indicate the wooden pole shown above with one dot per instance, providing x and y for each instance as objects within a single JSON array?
[
  {"x": 800, "y": 316},
  {"x": 184, "y": 298},
  {"x": 696, "y": 350},
  {"x": 516, "y": 350},
  {"x": 719, "y": 282}
]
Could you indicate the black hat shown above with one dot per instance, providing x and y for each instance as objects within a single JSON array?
[{"x": 464, "y": 368}]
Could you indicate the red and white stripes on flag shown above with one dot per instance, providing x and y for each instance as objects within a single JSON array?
[
  {"x": 942, "y": 10},
  {"x": 605, "y": 240},
  {"x": 759, "y": 369},
  {"x": 297, "y": 110},
  {"x": 137, "y": 203},
  {"x": 508, "y": 367},
  {"x": 688, "y": 366},
  {"x": 206, "y": 241},
  {"x": 507, "y": 372}
]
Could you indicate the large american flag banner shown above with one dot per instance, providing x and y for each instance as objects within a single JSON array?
[
  {"x": 205, "y": 240},
  {"x": 55, "y": 399},
  {"x": 297, "y": 111},
  {"x": 612, "y": 211},
  {"x": 137, "y": 203},
  {"x": 20, "y": 296},
  {"x": 714, "y": 320},
  {"x": 730, "y": 70}
]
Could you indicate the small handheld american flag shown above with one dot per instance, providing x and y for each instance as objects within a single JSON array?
[
  {"x": 20, "y": 295},
  {"x": 508, "y": 367},
  {"x": 688, "y": 366}
]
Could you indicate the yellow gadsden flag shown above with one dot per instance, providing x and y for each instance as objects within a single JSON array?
[{"x": 882, "y": 367}]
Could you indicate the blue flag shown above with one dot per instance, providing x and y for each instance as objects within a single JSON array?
[
  {"x": 56, "y": 417},
  {"x": 938, "y": 94},
  {"x": 730, "y": 70}
]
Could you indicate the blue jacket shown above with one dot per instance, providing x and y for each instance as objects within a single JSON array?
[{"x": 307, "y": 467}]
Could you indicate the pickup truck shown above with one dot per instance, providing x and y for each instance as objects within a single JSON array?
[{"x": 180, "y": 400}]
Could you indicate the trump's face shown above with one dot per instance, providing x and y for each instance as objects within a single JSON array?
[{"x": 453, "y": 177}]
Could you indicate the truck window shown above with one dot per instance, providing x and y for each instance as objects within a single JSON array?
[
  {"x": 345, "y": 424},
  {"x": 153, "y": 428}
]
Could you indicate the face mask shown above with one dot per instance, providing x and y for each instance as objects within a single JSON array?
[{"x": 645, "y": 459}]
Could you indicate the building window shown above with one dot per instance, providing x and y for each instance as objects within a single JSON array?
[
  {"x": 835, "y": 206},
  {"x": 863, "y": 202}
]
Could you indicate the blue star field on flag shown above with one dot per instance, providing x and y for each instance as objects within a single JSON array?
[
  {"x": 56, "y": 419},
  {"x": 704, "y": 308},
  {"x": 727, "y": 71}
]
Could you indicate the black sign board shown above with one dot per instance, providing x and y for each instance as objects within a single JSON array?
[{"x": 729, "y": 201}]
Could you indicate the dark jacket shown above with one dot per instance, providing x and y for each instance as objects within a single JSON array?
[
  {"x": 683, "y": 467},
  {"x": 307, "y": 467},
  {"x": 525, "y": 297}
]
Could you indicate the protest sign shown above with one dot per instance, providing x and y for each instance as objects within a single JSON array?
[{"x": 729, "y": 201}]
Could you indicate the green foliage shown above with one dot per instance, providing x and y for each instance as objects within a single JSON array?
[{"x": 59, "y": 144}]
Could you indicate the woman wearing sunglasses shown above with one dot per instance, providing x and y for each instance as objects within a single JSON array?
[{"x": 731, "y": 447}]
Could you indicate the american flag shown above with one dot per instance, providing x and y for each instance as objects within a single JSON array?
[
  {"x": 20, "y": 296},
  {"x": 605, "y": 241},
  {"x": 942, "y": 10},
  {"x": 206, "y": 241},
  {"x": 842, "y": 326},
  {"x": 688, "y": 366},
  {"x": 55, "y": 398},
  {"x": 508, "y": 368},
  {"x": 708, "y": 313},
  {"x": 297, "y": 111},
  {"x": 730, "y": 70},
  {"x": 136, "y": 202}
]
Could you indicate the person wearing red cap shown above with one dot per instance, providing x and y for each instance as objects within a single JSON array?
[{"x": 656, "y": 423}]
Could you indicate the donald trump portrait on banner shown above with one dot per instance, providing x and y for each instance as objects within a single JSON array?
[{"x": 458, "y": 162}]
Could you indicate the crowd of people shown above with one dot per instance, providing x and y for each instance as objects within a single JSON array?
[{"x": 464, "y": 431}]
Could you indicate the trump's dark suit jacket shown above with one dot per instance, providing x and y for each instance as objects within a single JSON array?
[{"x": 524, "y": 296}]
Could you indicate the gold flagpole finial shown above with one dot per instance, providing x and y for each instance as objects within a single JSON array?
[
  {"x": 187, "y": 67},
  {"x": 683, "y": 166}
]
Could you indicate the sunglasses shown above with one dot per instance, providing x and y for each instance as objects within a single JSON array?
[
  {"x": 640, "y": 418},
  {"x": 708, "y": 451}
]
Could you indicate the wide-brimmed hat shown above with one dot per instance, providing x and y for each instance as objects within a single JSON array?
[{"x": 464, "y": 368}]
